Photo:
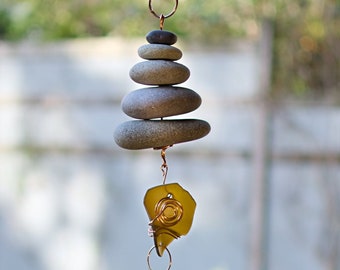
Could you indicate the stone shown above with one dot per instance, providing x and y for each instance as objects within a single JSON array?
[
  {"x": 161, "y": 37},
  {"x": 159, "y": 52},
  {"x": 158, "y": 102},
  {"x": 159, "y": 72},
  {"x": 143, "y": 134}
]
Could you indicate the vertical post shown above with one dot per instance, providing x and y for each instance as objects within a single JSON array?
[{"x": 260, "y": 190}]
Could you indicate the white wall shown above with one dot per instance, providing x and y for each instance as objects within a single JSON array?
[{"x": 71, "y": 199}]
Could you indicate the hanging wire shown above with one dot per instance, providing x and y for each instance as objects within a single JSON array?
[
  {"x": 164, "y": 166},
  {"x": 162, "y": 17}
]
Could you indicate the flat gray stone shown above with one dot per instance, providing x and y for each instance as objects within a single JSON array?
[
  {"x": 159, "y": 72},
  {"x": 161, "y": 37},
  {"x": 143, "y": 134},
  {"x": 158, "y": 102},
  {"x": 159, "y": 52}
]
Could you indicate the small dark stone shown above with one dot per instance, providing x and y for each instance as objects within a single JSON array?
[
  {"x": 143, "y": 134},
  {"x": 161, "y": 37}
]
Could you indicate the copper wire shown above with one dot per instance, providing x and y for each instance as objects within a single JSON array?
[
  {"x": 164, "y": 166},
  {"x": 165, "y": 204}
]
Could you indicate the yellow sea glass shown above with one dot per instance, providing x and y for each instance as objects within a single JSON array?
[{"x": 171, "y": 211}]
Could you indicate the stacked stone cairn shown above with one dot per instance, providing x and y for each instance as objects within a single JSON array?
[{"x": 152, "y": 104}]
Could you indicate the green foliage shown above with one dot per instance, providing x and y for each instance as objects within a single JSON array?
[
  {"x": 306, "y": 54},
  {"x": 306, "y": 51},
  {"x": 4, "y": 23},
  {"x": 57, "y": 19}
]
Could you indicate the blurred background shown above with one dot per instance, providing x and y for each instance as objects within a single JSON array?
[{"x": 266, "y": 179}]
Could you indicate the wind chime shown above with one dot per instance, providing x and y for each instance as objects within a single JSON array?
[{"x": 170, "y": 208}]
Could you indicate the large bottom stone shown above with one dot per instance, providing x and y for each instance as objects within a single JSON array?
[{"x": 143, "y": 134}]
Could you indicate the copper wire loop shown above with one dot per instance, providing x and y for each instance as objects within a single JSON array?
[
  {"x": 148, "y": 258},
  {"x": 165, "y": 16},
  {"x": 174, "y": 208},
  {"x": 162, "y": 17}
]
